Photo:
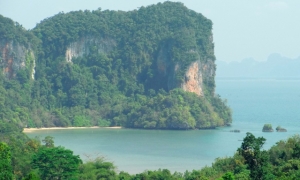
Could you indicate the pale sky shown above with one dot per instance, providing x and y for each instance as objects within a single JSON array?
[{"x": 242, "y": 28}]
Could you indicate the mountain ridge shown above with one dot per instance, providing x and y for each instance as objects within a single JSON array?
[{"x": 276, "y": 66}]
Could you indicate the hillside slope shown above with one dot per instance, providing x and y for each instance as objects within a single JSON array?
[{"x": 148, "y": 68}]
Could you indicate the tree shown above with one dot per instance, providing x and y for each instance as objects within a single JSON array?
[
  {"x": 6, "y": 172},
  {"x": 56, "y": 163},
  {"x": 257, "y": 160},
  {"x": 32, "y": 176},
  {"x": 228, "y": 176},
  {"x": 97, "y": 169},
  {"x": 296, "y": 151},
  {"x": 48, "y": 141}
]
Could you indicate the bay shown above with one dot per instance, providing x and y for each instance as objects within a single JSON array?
[{"x": 254, "y": 102}]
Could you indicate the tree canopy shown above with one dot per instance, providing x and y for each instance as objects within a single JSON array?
[
  {"x": 56, "y": 163},
  {"x": 5, "y": 162}
]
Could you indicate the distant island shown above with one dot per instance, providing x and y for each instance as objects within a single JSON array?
[
  {"x": 276, "y": 66},
  {"x": 151, "y": 68}
]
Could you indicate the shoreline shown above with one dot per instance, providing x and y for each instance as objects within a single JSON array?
[{"x": 28, "y": 130}]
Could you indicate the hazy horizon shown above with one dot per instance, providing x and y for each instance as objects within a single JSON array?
[
  {"x": 269, "y": 58},
  {"x": 242, "y": 29},
  {"x": 276, "y": 66}
]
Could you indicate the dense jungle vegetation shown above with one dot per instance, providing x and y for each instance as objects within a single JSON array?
[
  {"x": 118, "y": 84},
  {"x": 34, "y": 159}
]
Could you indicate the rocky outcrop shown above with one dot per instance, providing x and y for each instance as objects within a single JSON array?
[
  {"x": 194, "y": 75},
  {"x": 235, "y": 131},
  {"x": 14, "y": 57},
  {"x": 280, "y": 129},
  {"x": 85, "y": 44},
  {"x": 193, "y": 81},
  {"x": 267, "y": 128}
]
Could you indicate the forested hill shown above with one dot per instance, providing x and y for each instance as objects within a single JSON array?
[{"x": 149, "y": 68}]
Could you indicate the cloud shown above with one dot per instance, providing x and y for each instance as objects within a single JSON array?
[{"x": 277, "y": 5}]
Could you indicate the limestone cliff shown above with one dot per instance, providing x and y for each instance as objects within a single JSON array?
[
  {"x": 14, "y": 56},
  {"x": 194, "y": 75},
  {"x": 193, "y": 81},
  {"x": 83, "y": 46}
]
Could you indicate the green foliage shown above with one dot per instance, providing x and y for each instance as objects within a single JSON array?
[
  {"x": 278, "y": 128},
  {"x": 6, "y": 172},
  {"x": 296, "y": 151},
  {"x": 33, "y": 175},
  {"x": 197, "y": 175},
  {"x": 124, "y": 176},
  {"x": 9, "y": 127},
  {"x": 97, "y": 169},
  {"x": 228, "y": 176},
  {"x": 173, "y": 110},
  {"x": 161, "y": 174},
  {"x": 49, "y": 142},
  {"x": 289, "y": 169},
  {"x": 257, "y": 160},
  {"x": 103, "y": 123},
  {"x": 268, "y": 128},
  {"x": 284, "y": 150},
  {"x": 21, "y": 149},
  {"x": 81, "y": 121},
  {"x": 56, "y": 163},
  {"x": 13, "y": 31}
]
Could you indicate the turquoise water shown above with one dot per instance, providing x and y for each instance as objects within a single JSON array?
[{"x": 254, "y": 102}]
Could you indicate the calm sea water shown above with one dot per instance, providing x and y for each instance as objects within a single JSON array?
[{"x": 254, "y": 102}]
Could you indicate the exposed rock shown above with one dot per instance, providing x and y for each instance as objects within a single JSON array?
[
  {"x": 193, "y": 79},
  {"x": 271, "y": 130},
  {"x": 14, "y": 57},
  {"x": 280, "y": 129},
  {"x": 194, "y": 74},
  {"x": 83, "y": 46},
  {"x": 235, "y": 131}
]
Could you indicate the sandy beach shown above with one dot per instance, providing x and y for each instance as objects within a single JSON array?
[{"x": 28, "y": 130}]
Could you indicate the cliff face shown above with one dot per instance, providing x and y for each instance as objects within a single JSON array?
[
  {"x": 15, "y": 57},
  {"x": 167, "y": 69},
  {"x": 83, "y": 46},
  {"x": 193, "y": 81},
  {"x": 194, "y": 74}
]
